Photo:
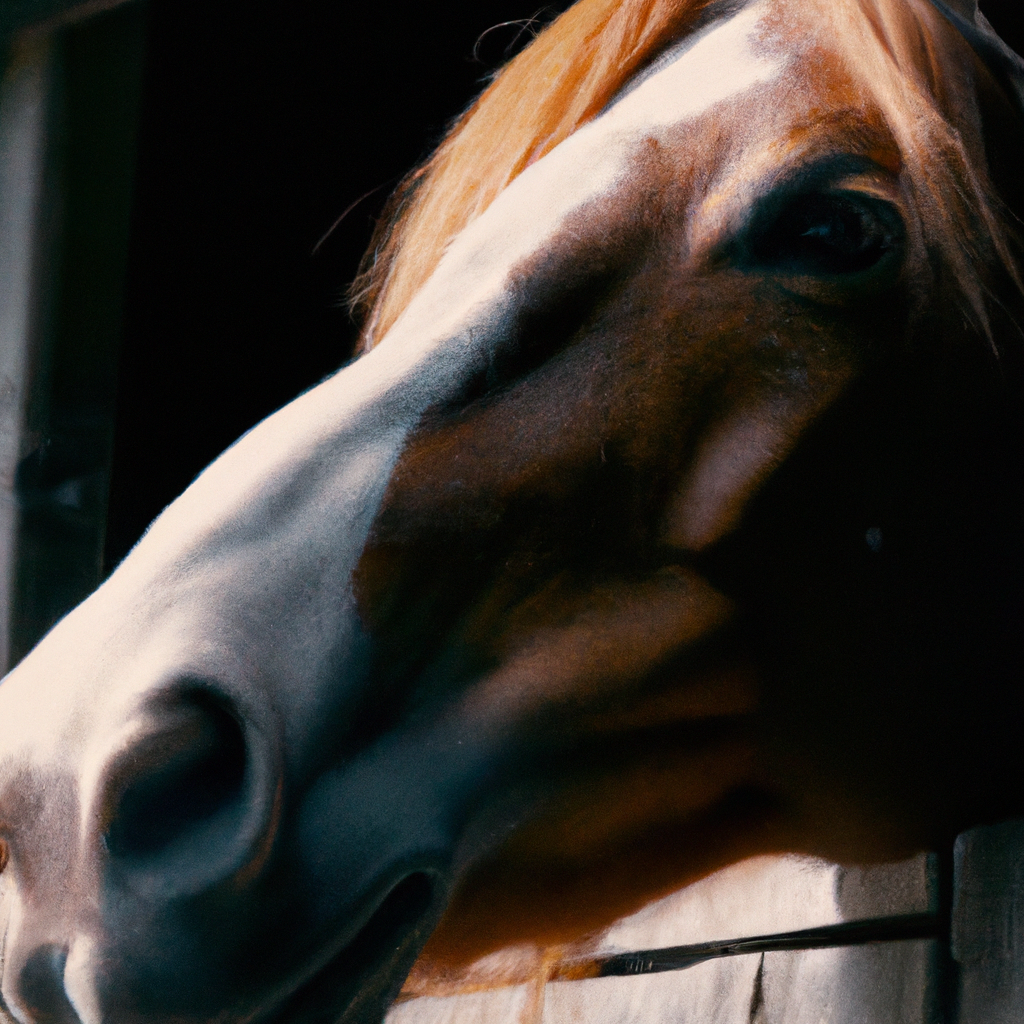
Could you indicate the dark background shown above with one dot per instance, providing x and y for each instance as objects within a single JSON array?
[{"x": 260, "y": 124}]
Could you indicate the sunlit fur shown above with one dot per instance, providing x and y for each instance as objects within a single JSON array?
[{"x": 898, "y": 51}]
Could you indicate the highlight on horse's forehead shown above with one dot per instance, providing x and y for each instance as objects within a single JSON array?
[
  {"x": 720, "y": 61},
  {"x": 735, "y": 33}
]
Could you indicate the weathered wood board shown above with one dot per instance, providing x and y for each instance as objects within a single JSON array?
[
  {"x": 905, "y": 982},
  {"x": 988, "y": 924},
  {"x": 881, "y": 984},
  {"x": 858, "y": 986}
]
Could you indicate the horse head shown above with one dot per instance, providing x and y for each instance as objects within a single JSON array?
[{"x": 671, "y": 516}]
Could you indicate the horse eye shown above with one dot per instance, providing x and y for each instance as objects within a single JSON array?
[{"x": 829, "y": 234}]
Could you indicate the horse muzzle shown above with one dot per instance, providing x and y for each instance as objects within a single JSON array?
[{"x": 113, "y": 921}]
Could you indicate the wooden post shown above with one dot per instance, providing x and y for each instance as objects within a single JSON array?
[
  {"x": 26, "y": 110},
  {"x": 68, "y": 116},
  {"x": 988, "y": 923}
]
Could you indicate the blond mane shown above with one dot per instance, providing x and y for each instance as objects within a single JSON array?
[{"x": 901, "y": 52}]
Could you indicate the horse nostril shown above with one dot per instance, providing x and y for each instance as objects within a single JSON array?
[
  {"x": 4, "y": 855},
  {"x": 177, "y": 782},
  {"x": 41, "y": 987}
]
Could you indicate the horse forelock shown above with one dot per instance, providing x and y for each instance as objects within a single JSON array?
[{"x": 907, "y": 60}]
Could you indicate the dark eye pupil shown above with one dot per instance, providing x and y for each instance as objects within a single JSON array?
[{"x": 826, "y": 234}]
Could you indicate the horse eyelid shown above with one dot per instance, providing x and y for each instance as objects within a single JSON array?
[{"x": 849, "y": 173}]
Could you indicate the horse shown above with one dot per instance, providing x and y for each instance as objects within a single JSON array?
[{"x": 670, "y": 515}]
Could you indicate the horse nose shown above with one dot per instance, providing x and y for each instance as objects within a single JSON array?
[{"x": 190, "y": 803}]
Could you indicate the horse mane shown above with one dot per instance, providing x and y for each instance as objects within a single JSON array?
[{"x": 900, "y": 51}]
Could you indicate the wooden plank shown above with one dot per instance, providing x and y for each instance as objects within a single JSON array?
[
  {"x": 777, "y": 894},
  {"x": 718, "y": 992},
  {"x": 887, "y": 983}
]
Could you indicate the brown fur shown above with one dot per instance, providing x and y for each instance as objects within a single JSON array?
[{"x": 683, "y": 677}]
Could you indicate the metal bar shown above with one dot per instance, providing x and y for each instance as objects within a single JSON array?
[{"x": 678, "y": 958}]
